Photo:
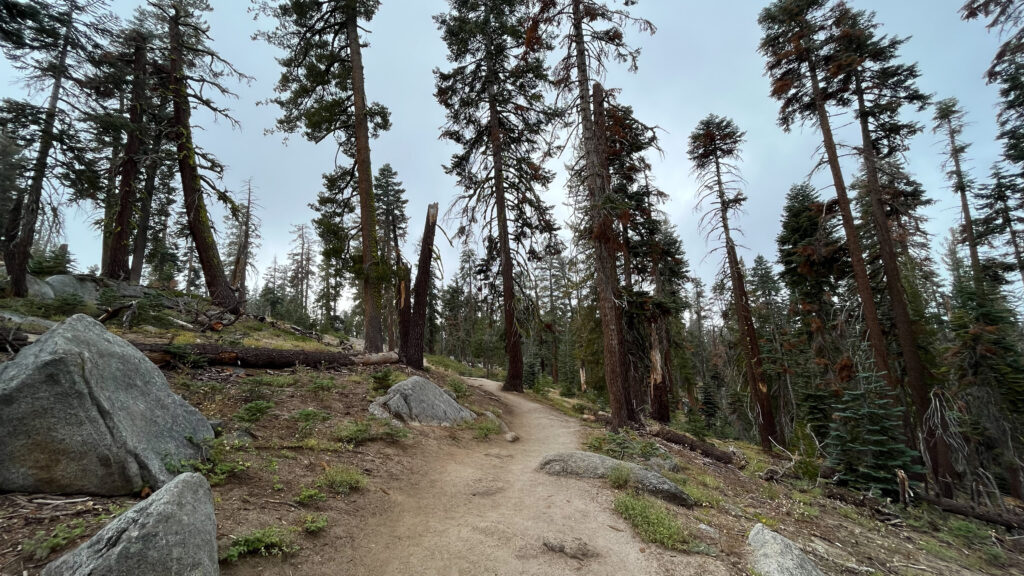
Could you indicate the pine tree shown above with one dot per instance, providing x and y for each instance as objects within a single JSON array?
[
  {"x": 322, "y": 93},
  {"x": 714, "y": 147},
  {"x": 389, "y": 198},
  {"x": 999, "y": 222},
  {"x": 496, "y": 113},
  {"x": 1007, "y": 16}
]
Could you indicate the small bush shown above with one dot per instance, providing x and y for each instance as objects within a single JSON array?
[
  {"x": 272, "y": 541},
  {"x": 357, "y": 432},
  {"x": 40, "y": 546},
  {"x": 310, "y": 495},
  {"x": 341, "y": 479},
  {"x": 314, "y": 524},
  {"x": 67, "y": 304},
  {"x": 620, "y": 476},
  {"x": 273, "y": 380},
  {"x": 308, "y": 419},
  {"x": 218, "y": 462},
  {"x": 458, "y": 387},
  {"x": 651, "y": 520},
  {"x": 253, "y": 412},
  {"x": 325, "y": 385},
  {"x": 484, "y": 427},
  {"x": 624, "y": 446}
]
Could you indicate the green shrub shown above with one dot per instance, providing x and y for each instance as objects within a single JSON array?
[
  {"x": 219, "y": 461},
  {"x": 309, "y": 495},
  {"x": 326, "y": 384},
  {"x": 620, "y": 476},
  {"x": 381, "y": 380},
  {"x": 272, "y": 541},
  {"x": 67, "y": 304},
  {"x": 341, "y": 479},
  {"x": 314, "y": 524},
  {"x": 458, "y": 387},
  {"x": 273, "y": 380},
  {"x": 40, "y": 546},
  {"x": 308, "y": 419},
  {"x": 651, "y": 520},
  {"x": 357, "y": 432},
  {"x": 484, "y": 427},
  {"x": 624, "y": 446},
  {"x": 253, "y": 412}
]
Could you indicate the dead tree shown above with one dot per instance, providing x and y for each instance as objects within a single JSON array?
[{"x": 412, "y": 347}]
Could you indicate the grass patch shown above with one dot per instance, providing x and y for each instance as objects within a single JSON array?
[
  {"x": 770, "y": 492},
  {"x": 253, "y": 412},
  {"x": 484, "y": 427},
  {"x": 314, "y": 524},
  {"x": 40, "y": 546},
  {"x": 341, "y": 479},
  {"x": 703, "y": 489},
  {"x": 937, "y": 550},
  {"x": 356, "y": 432},
  {"x": 220, "y": 461},
  {"x": 768, "y": 522},
  {"x": 325, "y": 385},
  {"x": 309, "y": 495},
  {"x": 273, "y": 380},
  {"x": 447, "y": 364},
  {"x": 652, "y": 521},
  {"x": 272, "y": 541},
  {"x": 620, "y": 476},
  {"x": 309, "y": 419}
]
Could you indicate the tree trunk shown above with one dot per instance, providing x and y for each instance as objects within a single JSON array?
[
  {"x": 417, "y": 326},
  {"x": 513, "y": 339},
  {"x": 195, "y": 208},
  {"x": 604, "y": 238},
  {"x": 403, "y": 303},
  {"x": 145, "y": 208},
  {"x": 373, "y": 330},
  {"x": 876, "y": 337},
  {"x": 918, "y": 375},
  {"x": 660, "y": 383},
  {"x": 965, "y": 207},
  {"x": 117, "y": 267},
  {"x": 19, "y": 250},
  {"x": 1017, "y": 252},
  {"x": 766, "y": 425},
  {"x": 239, "y": 267}
]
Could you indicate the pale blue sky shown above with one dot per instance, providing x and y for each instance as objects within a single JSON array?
[{"x": 702, "y": 60}]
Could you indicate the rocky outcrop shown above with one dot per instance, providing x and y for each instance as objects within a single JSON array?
[
  {"x": 71, "y": 285},
  {"x": 84, "y": 412},
  {"x": 590, "y": 465},
  {"x": 774, "y": 555},
  {"x": 38, "y": 289},
  {"x": 174, "y": 531},
  {"x": 420, "y": 401}
]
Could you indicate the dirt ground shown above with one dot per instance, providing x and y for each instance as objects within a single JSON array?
[{"x": 443, "y": 501}]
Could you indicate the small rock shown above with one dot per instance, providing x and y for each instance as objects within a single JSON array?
[
  {"x": 420, "y": 401},
  {"x": 174, "y": 531},
  {"x": 663, "y": 463},
  {"x": 575, "y": 548},
  {"x": 69, "y": 284},
  {"x": 590, "y": 465},
  {"x": 709, "y": 531},
  {"x": 511, "y": 437},
  {"x": 775, "y": 555}
]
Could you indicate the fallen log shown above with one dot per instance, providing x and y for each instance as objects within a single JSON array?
[
  {"x": 218, "y": 355},
  {"x": 12, "y": 339},
  {"x": 689, "y": 442},
  {"x": 944, "y": 504}
]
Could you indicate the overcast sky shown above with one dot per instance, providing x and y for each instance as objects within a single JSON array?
[{"x": 703, "y": 59}]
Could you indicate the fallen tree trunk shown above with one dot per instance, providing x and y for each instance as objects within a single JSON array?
[
  {"x": 218, "y": 355},
  {"x": 944, "y": 504},
  {"x": 689, "y": 442}
]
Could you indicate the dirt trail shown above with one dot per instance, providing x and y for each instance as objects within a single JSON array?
[{"x": 482, "y": 508}]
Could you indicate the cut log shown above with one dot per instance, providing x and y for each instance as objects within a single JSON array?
[
  {"x": 259, "y": 357},
  {"x": 689, "y": 442}
]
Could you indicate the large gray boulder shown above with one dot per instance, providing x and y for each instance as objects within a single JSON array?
[
  {"x": 38, "y": 289},
  {"x": 174, "y": 531},
  {"x": 420, "y": 401},
  {"x": 69, "y": 284},
  {"x": 590, "y": 465},
  {"x": 84, "y": 412},
  {"x": 774, "y": 555}
]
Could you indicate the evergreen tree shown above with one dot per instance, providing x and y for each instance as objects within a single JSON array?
[
  {"x": 714, "y": 147},
  {"x": 496, "y": 113},
  {"x": 322, "y": 93},
  {"x": 389, "y": 197}
]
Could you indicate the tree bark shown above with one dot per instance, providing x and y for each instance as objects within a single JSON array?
[
  {"x": 240, "y": 266},
  {"x": 145, "y": 208},
  {"x": 195, "y": 207},
  {"x": 604, "y": 238},
  {"x": 513, "y": 338},
  {"x": 413, "y": 352},
  {"x": 876, "y": 337},
  {"x": 373, "y": 329},
  {"x": 960, "y": 183},
  {"x": 116, "y": 264},
  {"x": 661, "y": 368},
  {"x": 19, "y": 249},
  {"x": 918, "y": 376}
]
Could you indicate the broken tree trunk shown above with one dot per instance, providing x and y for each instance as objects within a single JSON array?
[
  {"x": 215, "y": 354},
  {"x": 689, "y": 442},
  {"x": 412, "y": 353}
]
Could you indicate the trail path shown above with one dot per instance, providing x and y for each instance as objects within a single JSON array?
[{"x": 482, "y": 508}]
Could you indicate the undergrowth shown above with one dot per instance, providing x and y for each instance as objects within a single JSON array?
[{"x": 272, "y": 541}]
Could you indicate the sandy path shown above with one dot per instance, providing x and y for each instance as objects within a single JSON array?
[{"x": 483, "y": 509}]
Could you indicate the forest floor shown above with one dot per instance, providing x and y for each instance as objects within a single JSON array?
[{"x": 302, "y": 470}]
